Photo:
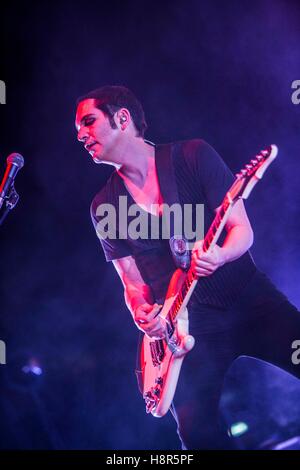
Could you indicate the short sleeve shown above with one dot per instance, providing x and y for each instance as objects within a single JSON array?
[
  {"x": 112, "y": 246},
  {"x": 210, "y": 171}
]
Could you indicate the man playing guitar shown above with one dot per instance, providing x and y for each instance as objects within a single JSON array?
[{"x": 235, "y": 309}]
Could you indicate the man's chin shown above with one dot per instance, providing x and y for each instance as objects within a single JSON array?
[{"x": 97, "y": 158}]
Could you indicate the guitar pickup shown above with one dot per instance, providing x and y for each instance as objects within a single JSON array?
[{"x": 157, "y": 351}]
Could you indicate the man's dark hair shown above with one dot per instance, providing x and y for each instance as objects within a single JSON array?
[{"x": 111, "y": 98}]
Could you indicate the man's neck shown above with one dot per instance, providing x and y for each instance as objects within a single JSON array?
[{"x": 137, "y": 158}]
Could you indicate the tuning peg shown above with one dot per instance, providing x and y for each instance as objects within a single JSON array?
[
  {"x": 249, "y": 167},
  {"x": 259, "y": 157},
  {"x": 254, "y": 162},
  {"x": 243, "y": 172}
]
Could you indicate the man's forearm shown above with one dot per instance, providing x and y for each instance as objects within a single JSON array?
[
  {"x": 238, "y": 240},
  {"x": 134, "y": 297}
]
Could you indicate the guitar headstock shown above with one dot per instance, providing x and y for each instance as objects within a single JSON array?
[{"x": 248, "y": 176}]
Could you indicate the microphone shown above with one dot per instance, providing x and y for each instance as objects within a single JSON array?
[{"x": 15, "y": 162}]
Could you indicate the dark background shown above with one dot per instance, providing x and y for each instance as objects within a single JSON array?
[{"x": 221, "y": 71}]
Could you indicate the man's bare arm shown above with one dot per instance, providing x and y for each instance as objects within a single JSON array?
[
  {"x": 238, "y": 240},
  {"x": 138, "y": 298}
]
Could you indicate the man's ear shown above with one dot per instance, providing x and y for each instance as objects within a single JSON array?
[{"x": 122, "y": 118}]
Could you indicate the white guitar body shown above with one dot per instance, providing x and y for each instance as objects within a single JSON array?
[{"x": 160, "y": 377}]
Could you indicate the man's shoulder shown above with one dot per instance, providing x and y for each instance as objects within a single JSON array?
[
  {"x": 188, "y": 144},
  {"x": 193, "y": 152},
  {"x": 104, "y": 195},
  {"x": 190, "y": 148}
]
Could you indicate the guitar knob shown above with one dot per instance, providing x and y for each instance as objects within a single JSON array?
[
  {"x": 150, "y": 401},
  {"x": 150, "y": 405}
]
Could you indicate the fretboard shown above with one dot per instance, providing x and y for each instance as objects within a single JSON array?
[{"x": 209, "y": 241}]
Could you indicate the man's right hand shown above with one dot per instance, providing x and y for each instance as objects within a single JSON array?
[{"x": 147, "y": 320}]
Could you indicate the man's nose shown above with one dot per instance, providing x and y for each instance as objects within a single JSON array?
[{"x": 82, "y": 135}]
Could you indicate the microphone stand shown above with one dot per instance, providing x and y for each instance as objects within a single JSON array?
[{"x": 10, "y": 202}]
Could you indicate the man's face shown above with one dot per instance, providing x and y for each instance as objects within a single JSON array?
[{"x": 95, "y": 131}]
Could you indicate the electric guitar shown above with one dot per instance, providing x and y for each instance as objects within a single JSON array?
[{"x": 161, "y": 360}]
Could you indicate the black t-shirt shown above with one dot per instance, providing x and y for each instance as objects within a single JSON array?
[{"x": 201, "y": 178}]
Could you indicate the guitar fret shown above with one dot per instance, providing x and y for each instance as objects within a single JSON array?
[
  {"x": 190, "y": 277},
  {"x": 215, "y": 225}
]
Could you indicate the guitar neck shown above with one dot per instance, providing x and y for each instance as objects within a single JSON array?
[
  {"x": 209, "y": 242},
  {"x": 241, "y": 188}
]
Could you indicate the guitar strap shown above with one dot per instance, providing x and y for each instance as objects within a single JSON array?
[
  {"x": 167, "y": 181},
  {"x": 178, "y": 244}
]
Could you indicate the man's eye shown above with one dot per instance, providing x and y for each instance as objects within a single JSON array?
[{"x": 89, "y": 122}]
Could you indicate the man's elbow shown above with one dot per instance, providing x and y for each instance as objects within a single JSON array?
[
  {"x": 245, "y": 233},
  {"x": 248, "y": 235},
  {"x": 251, "y": 237}
]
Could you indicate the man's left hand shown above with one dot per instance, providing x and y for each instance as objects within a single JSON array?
[{"x": 206, "y": 263}]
